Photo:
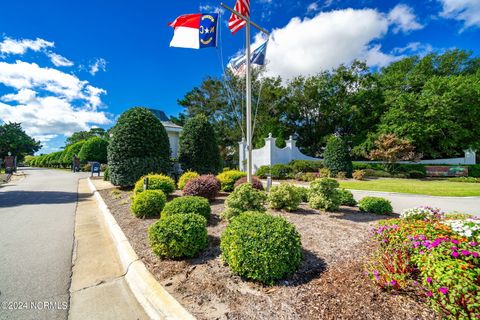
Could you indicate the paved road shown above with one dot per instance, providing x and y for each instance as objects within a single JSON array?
[{"x": 36, "y": 239}]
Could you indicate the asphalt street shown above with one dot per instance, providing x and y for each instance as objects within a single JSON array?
[{"x": 37, "y": 215}]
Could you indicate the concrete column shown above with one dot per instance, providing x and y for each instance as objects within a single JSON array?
[
  {"x": 291, "y": 145},
  {"x": 269, "y": 147},
  {"x": 470, "y": 157}
]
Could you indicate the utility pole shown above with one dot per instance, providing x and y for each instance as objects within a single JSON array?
[{"x": 248, "y": 86}]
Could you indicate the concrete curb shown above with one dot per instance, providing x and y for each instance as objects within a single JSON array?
[{"x": 154, "y": 299}]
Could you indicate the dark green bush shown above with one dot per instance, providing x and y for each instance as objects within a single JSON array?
[
  {"x": 70, "y": 151},
  {"x": 347, "y": 198},
  {"x": 415, "y": 174},
  {"x": 148, "y": 204},
  {"x": 139, "y": 145},
  {"x": 474, "y": 170},
  {"x": 262, "y": 172},
  {"x": 337, "y": 156},
  {"x": 323, "y": 194},
  {"x": 261, "y": 247},
  {"x": 199, "y": 147},
  {"x": 228, "y": 179},
  {"x": 280, "y": 171},
  {"x": 188, "y": 205},
  {"x": 178, "y": 236},
  {"x": 244, "y": 198},
  {"x": 305, "y": 166},
  {"x": 156, "y": 182},
  {"x": 284, "y": 196},
  {"x": 94, "y": 149},
  {"x": 375, "y": 205}
]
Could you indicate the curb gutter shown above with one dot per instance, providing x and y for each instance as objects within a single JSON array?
[{"x": 154, "y": 299}]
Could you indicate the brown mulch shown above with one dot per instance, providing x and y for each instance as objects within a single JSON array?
[{"x": 330, "y": 283}]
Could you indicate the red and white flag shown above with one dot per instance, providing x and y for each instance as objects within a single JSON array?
[
  {"x": 236, "y": 23},
  {"x": 195, "y": 31}
]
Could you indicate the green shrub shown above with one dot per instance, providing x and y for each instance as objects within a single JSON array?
[
  {"x": 358, "y": 174},
  {"x": 243, "y": 198},
  {"x": 106, "y": 175},
  {"x": 156, "y": 182},
  {"x": 188, "y": 205},
  {"x": 178, "y": 236},
  {"x": 261, "y": 247},
  {"x": 148, "y": 204},
  {"x": 375, "y": 205},
  {"x": 465, "y": 179},
  {"x": 474, "y": 170},
  {"x": 228, "y": 179},
  {"x": 284, "y": 196},
  {"x": 199, "y": 147},
  {"x": 324, "y": 173},
  {"x": 377, "y": 173},
  {"x": 139, "y": 145},
  {"x": 303, "y": 193},
  {"x": 187, "y": 176},
  {"x": 256, "y": 183},
  {"x": 366, "y": 165},
  {"x": 263, "y": 172},
  {"x": 341, "y": 175},
  {"x": 308, "y": 177},
  {"x": 336, "y": 157},
  {"x": 280, "y": 171},
  {"x": 206, "y": 186},
  {"x": 94, "y": 149},
  {"x": 70, "y": 151},
  {"x": 305, "y": 166},
  {"x": 323, "y": 194},
  {"x": 347, "y": 198},
  {"x": 415, "y": 174}
]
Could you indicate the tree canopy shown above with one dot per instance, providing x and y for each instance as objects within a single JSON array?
[{"x": 14, "y": 139}]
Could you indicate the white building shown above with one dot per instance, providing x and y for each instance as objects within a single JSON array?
[{"x": 172, "y": 129}]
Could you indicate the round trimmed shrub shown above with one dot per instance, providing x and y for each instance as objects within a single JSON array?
[
  {"x": 156, "y": 182},
  {"x": 243, "y": 198},
  {"x": 337, "y": 156},
  {"x": 148, "y": 204},
  {"x": 256, "y": 183},
  {"x": 323, "y": 194},
  {"x": 347, "y": 198},
  {"x": 206, "y": 186},
  {"x": 198, "y": 146},
  {"x": 178, "y": 236},
  {"x": 303, "y": 193},
  {"x": 94, "y": 149},
  {"x": 188, "y": 205},
  {"x": 228, "y": 179},
  {"x": 187, "y": 176},
  {"x": 375, "y": 205},
  {"x": 139, "y": 145},
  {"x": 261, "y": 247},
  {"x": 284, "y": 196}
]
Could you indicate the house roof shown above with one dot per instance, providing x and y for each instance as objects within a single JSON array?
[{"x": 164, "y": 119}]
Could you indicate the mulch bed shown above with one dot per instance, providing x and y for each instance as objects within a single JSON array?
[{"x": 330, "y": 283}]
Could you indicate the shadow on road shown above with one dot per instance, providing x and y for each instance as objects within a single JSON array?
[{"x": 19, "y": 198}]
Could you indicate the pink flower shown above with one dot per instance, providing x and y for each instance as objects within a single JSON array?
[
  {"x": 454, "y": 254},
  {"x": 473, "y": 243},
  {"x": 429, "y": 294},
  {"x": 465, "y": 252},
  {"x": 475, "y": 254},
  {"x": 393, "y": 282},
  {"x": 429, "y": 280},
  {"x": 443, "y": 290},
  {"x": 455, "y": 241}
]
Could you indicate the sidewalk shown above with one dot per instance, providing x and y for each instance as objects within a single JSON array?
[
  {"x": 401, "y": 201},
  {"x": 98, "y": 289}
]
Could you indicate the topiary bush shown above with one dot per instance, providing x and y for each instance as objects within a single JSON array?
[
  {"x": 139, "y": 145},
  {"x": 178, "y": 236},
  {"x": 94, "y": 149},
  {"x": 199, "y": 147},
  {"x": 148, "y": 204},
  {"x": 156, "y": 182},
  {"x": 337, "y": 156},
  {"x": 375, "y": 205},
  {"x": 256, "y": 183},
  {"x": 188, "y": 205},
  {"x": 206, "y": 186},
  {"x": 347, "y": 198},
  {"x": 243, "y": 198},
  {"x": 323, "y": 194},
  {"x": 305, "y": 166},
  {"x": 284, "y": 196},
  {"x": 261, "y": 247},
  {"x": 228, "y": 179},
  {"x": 187, "y": 176}
]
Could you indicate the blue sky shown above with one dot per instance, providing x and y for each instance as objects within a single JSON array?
[{"x": 69, "y": 65}]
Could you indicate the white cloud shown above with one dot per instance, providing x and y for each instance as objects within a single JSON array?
[
  {"x": 308, "y": 46},
  {"x": 59, "y": 61},
  {"x": 206, "y": 8},
  {"x": 414, "y": 48},
  {"x": 467, "y": 11},
  {"x": 100, "y": 64},
  {"x": 312, "y": 7},
  {"x": 12, "y": 46},
  {"x": 403, "y": 18}
]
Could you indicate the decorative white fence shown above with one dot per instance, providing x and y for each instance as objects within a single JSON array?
[{"x": 270, "y": 155}]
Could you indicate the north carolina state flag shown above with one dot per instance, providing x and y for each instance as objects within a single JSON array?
[{"x": 195, "y": 31}]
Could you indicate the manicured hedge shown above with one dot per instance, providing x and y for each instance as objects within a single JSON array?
[
  {"x": 188, "y": 205},
  {"x": 228, "y": 179},
  {"x": 156, "y": 182},
  {"x": 148, "y": 204},
  {"x": 375, "y": 205}
]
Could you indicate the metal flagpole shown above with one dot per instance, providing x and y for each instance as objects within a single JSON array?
[{"x": 249, "y": 87}]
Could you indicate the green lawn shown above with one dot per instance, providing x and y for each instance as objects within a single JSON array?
[{"x": 433, "y": 187}]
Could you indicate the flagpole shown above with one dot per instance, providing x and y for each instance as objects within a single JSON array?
[
  {"x": 248, "y": 87},
  {"x": 249, "y": 106}
]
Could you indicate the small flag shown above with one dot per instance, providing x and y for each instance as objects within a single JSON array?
[
  {"x": 238, "y": 64},
  {"x": 236, "y": 23},
  {"x": 195, "y": 31}
]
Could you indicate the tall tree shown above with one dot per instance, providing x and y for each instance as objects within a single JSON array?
[{"x": 14, "y": 139}]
